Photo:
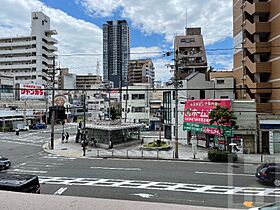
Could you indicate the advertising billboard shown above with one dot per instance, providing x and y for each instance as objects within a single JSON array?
[
  {"x": 196, "y": 116},
  {"x": 32, "y": 92}
]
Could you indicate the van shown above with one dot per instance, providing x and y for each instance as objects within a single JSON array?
[{"x": 20, "y": 183}]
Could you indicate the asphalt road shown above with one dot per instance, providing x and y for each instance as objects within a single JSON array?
[{"x": 192, "y": 183}]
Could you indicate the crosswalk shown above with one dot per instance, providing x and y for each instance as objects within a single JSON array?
[
  {"x": 33, "y": 138},
  {"x": 166, "y": 186},
  {"x": 41, "y": 165}
]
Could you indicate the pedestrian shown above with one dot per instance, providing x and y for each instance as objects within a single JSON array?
[
  {"x": 67, "y": 137},
  {"x": 17, "y": 132},
  {"x": 78, "y": 136},
  {"x": 84, "y": 147},
  {"x": 62, "y": 138},
  {"x": 110, "y": 144}
]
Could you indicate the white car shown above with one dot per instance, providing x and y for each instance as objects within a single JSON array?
[{"x": 272, "y": 206}]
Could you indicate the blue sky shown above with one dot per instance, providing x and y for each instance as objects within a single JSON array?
[{"x": 153, "y": 25}]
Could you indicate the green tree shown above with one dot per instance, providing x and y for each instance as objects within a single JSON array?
[{"x": 222, "y": 116}]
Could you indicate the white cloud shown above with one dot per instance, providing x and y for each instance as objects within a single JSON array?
[
  {"x": 168, "y": 17},
  {"x": 145, "y": 52},
  {"x": 74, "y": 35}
]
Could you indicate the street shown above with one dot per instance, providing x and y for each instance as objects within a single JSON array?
[{"x": 177, "y": 182}]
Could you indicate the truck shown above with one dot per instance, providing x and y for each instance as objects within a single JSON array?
[{"x": 20, "y": 126}]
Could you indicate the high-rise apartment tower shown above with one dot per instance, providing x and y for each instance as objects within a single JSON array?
[{"x": 116, "y": 52}]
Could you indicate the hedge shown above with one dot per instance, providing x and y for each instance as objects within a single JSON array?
[{"x": 215, "y": 155}]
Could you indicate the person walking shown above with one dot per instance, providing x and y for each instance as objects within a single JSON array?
[
  {"x": 67, "y": 137},
  {"x": 62, "y": 138}
]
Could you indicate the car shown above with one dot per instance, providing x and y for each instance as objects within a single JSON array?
[
  {"x": 39, "y": 126},
  {"x": 269, "y": 173},
  {"x": 5, "y": 163},
  {"x": 271, "y": 206},
  {"x": 20, "y": 183}
]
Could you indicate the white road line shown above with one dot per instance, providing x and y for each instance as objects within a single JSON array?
[
  {"x": 28, "y": 171},
  {"x": 121, "y": 169},
  {"x": 222, "y": 174},
  {"x": 60, "y": 191}
]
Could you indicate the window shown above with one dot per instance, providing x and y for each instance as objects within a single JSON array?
[
  {"x": 202, "y": 94},
  {"x": 224, "y": 97},
  {"x": 138, "y": 96},
  {"x": 138, "y": 109},
  {"x": 125, "y": 96},
  {"x": 220, "y": 81}
]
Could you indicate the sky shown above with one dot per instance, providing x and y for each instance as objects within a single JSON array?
[{"x": 153, "y": 26}]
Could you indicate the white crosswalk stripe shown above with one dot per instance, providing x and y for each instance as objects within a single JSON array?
[{"x": 167, "y": 186}]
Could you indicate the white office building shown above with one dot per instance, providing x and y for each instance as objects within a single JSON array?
[{"x": 28, "y": 58}]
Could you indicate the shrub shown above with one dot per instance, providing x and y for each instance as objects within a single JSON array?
[{"x": 215, "y": 155}]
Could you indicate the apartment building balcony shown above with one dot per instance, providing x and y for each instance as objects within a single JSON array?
[
  {"x": 18, "y": 66},
  {"x": 257, "y": 87},
  {"x": 17, "y": 44},
  {"x": 257, "y": 67},
  {"x": 13, "y": 59},
  {"x": 256, "y": 7},
  {"x": 50, "y": 40},
  {"x": 49, "y": 47},
  {"x": 264, "y": 107},
  {"x": 257, "y": 47},
  {"x": 257, "y": 27},
  {"x": 18, "y": 51}
]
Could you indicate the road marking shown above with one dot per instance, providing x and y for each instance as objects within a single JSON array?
[
  {"x": 27, "y": 171},
  {"x": 144, "y": 195},
  {"x": 121, "y": 169},
  {"x": 165, "y": 186},
  {"x": 60, "y": 191},
  {"x": 222, "y": 174},
  {"x": 16, "y": 142}
]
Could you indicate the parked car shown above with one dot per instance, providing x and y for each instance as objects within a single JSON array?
[
  {"x": 5, "y": 163},
  {"x": 39, "y": 126},
  {"x": 20, "y": 183},
  {"x": 271, "y": 206},
  {"x": 269, "y": 173}
]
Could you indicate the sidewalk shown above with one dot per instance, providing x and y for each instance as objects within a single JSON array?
[{"x": 72, "y": 149}]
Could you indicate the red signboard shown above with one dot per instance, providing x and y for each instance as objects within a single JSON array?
[
  {"x": 30, "y": 91},
  {"x": 196, "y": 111}
]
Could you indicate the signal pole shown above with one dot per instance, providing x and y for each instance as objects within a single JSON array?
[
  {"x": 53, "y": 111},
  {"x": 176, "y": 105}
]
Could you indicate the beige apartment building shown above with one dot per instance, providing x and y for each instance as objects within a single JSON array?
[
  {"x": 191, "y": 55},
  {"x": 256, "y": 37},
  {"x": 141, "y": 71}
]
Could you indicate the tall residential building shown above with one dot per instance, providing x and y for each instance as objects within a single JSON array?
[
  {"x": 28, "y": 58},
  {"x": 256, "y": 52},
  {"x": 191, "y": 54},
  {"x": 116, "y": 52},
  {"x": 141, "y": 71}
]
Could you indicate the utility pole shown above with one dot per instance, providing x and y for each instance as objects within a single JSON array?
[
  {"x": 53, "y": 111},
  {"x": 126, "y": 97},
  {"x": 84, "y": 112},
  {"x": 176, "y": 105}
]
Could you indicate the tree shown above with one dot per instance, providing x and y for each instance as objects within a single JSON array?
[{"x": 222, "y": 117}]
